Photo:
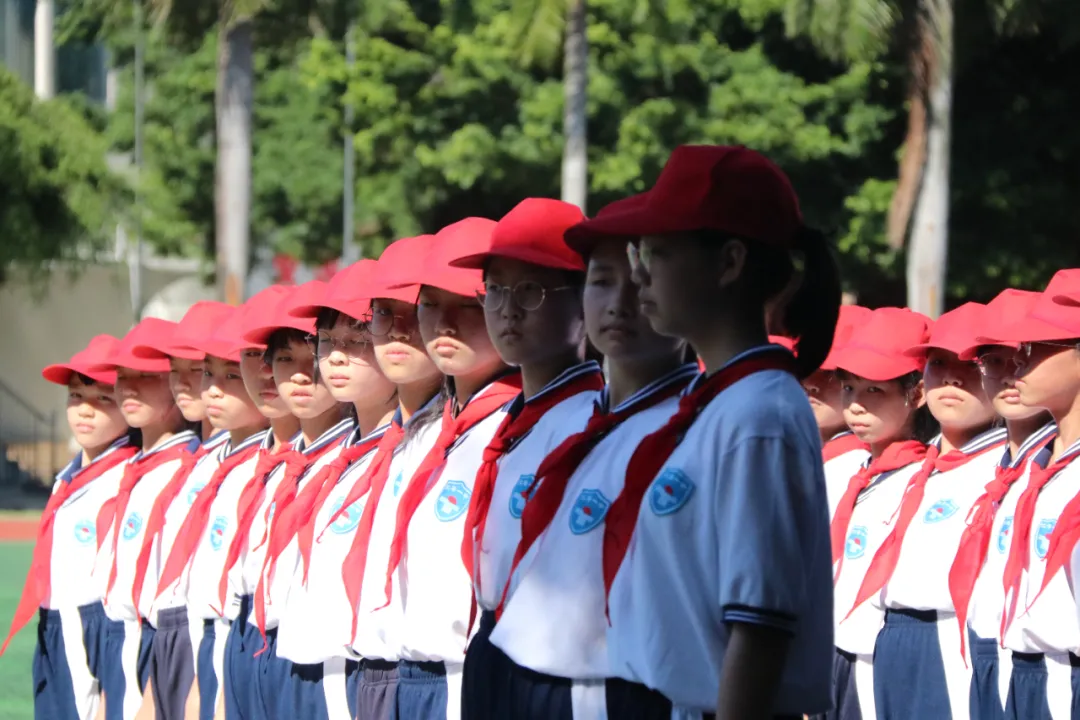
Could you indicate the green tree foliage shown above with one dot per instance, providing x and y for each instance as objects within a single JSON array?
[{"x": 58, "y": 198}]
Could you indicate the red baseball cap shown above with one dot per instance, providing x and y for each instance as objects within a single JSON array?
[
  {"x": 222, "y": 334},
  {"x": 729, "y": 189},
  {"x": 1068, "y": 287},
  {"x": 466, "y": 237},
  {"x": 258, "y": 311},
  {"x": 584, "y": 241},
  {"x": 1007, "y": 308},
  {"x": 533, "y": 232},
  {"x": 851, "y": 316},
  {"x": 150, "y": 332},
  {"x": 1047, "y": 320},
  {"x": 346, "y": 292},
  {"x": 86, "y": 362},
  {"x": 198, "y": 323},
  {"x": 391, "y": 278},
  {"x": 259, "y": 328},
  {"x": 955, "y": 331},
  {"x": 876, "y": 349}
]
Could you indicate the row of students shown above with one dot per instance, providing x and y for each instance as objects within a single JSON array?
[{"x": 491, "y": 530}]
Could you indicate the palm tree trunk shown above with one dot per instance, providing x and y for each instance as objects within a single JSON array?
[
  {"x": 232, "y": 202},
  {"x": 575, "y": 165},
  {"x": 928, "y": 250}
]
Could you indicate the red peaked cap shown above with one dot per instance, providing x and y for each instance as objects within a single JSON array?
[
  {"x": 223, "y": 337},
  {"x": 1047, "y": 320},
  {"x": 851, "y": 316},
  {"x": 150, "y": 332},
  {"x": 86, "y": 362},
  {"x": 468, "y": 237},
  {"x": 1007, "y": 308},
  {"x": 1067, "y": 290},
  {"x": 877, "y": 348},
  {"x": 584, "y": 243},
  {"x": 396, "y": 263},
  {"x": 533, "y": 232},
  {"x": 257, "y": 312},
  {"x": 259, "y": 327},
  {"x": 198, "y": 322},
  {"x": 955, "y": 331},
  {"x": 346, "y": 292},
  {"x": 729, "y": 189}
]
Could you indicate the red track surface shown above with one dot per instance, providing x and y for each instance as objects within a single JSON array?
[{"x": 18, "y": 529}]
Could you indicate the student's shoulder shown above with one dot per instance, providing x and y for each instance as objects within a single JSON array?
[{"x": 769, "y": 404}]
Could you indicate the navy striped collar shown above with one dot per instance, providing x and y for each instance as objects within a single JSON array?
[
  {"x": 342, "y": 428},
  {"x": 355, "y": 438},
  {"x": 218, "y": 439},
  {"x": 679, "y": 376},
  {"x": 75, "y": 465},
  {"x": 756, "y": 350},
  {"x": 258, "y": 438},
  {"x": 1022, "y": 453},
  {"x": 184, "y": 437},
  {"x": 1042, "y": 459},
  {"x": 426, "y": 406},
  {"x": 566, "y": 376}
]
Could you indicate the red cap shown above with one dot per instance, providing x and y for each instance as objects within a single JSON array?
[
  {"x": 1007, "y": 308},
  {"x": 468, "y": 237},
  {"x": 260, "y": 327},
  {"x": 584, "y": 241},
  {"x": 1068, "y": 287},
  {"x": 851, "y": 316},
  {"x": 257, "y": 312},
  {"x": 165, "y": 347},
  {"x": 729, "y": 189},
  {"x": 1046, "y": 321},
  {"x": 214, "y": 331},
  {"x": 533, "y": 233},
  {"x": 876, "y": 349},
  {"x": 395, "y": 265},
  {"x": 150, "y": 332},
  {"x": 346, "y": 292},
  {"x": 954, "y": 331},
  {"x": 86, "y": 362}
]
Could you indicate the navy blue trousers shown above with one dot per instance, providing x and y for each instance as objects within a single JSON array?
[
  {"x": 205, "y": 673},
  {"x": 985, "y": 700},
  {"x": 241, "y": 668},
  {"x": 172, "y": 664},
  {"x": 55, "y": 691},
  {"x": 846, "y": 704},
  {"x": 113, "y": 681},
  {"x": 1027, "y": 699},
  {"x": 909, "y": 671}
]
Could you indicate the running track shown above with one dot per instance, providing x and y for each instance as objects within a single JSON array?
[{"x": 18, "y": 529}]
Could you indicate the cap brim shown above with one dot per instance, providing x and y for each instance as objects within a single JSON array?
[
  {"x": 634, "y": 221},
  {"x": 921, "y": 351},
  {"x": 61, "y": 374},
  {"x": 133, "y": 363},
  {"x": 584, "y": 241},
  {"x": 354, "y": 308},
  {"x": 464, "y": 288},
  {"x": 525, "y": 255},
  {"x": 1028, "y": 329},
  {"x": 163, "y": 352},
  {"x": 872, "y": 365},
  {"x": 219, "y": 348},
  {"x": 1069, "y": 300}
]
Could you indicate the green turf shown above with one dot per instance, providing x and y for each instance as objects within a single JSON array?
[{"x": 16, "y": 695}]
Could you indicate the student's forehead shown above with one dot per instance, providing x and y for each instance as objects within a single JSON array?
[{"x": 609, "y": 255}]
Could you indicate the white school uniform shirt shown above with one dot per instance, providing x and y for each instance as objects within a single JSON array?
[
  {"x": 202, "y": 575},
  {"x": 431, "y": 583},
  {"x": 379, "y": 628},
  {"x": 74, "y": 548},
  {"x": 735, "y": 528},
  {"x": 517, "y": 469},
  {"x": 317, "y": 617},
  {"x": 1050, "y": 624},
  {"x": 277, "y": 586},
  {"x": 554, "y": 618},
  {"x": 839, "y": 471},
  {"x": 118, "y": 603}
]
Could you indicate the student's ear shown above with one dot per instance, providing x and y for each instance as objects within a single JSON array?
[
  {"x": 732, "y": 262},
  {"x": 917, "y": 395}
]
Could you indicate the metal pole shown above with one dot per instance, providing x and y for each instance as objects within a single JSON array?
[
  {"x": 135, "y": 255},
  {"x": 350, "y": 252}
]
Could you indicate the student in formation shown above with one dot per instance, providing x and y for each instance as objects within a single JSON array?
[
  {"x": 550, "y": 623},
  {"x": 841, "y": 451},
  {"x": 252, "y": 667},
  {"x": 533, "y": 314},
  {"x": 186, "y": 367},
  {"x": 317, "y": 616},
  {"x": 167, "y": 453},
  {"x": 907, "y": 578},
  {"x": 59, "y": 587},
  {"x": 1040, "y": 624}
]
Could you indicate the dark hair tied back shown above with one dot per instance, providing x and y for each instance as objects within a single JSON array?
[{"x": 812, "y": 311}]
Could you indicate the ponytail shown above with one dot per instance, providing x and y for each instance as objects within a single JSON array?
[{"x": 812, "y": 311}]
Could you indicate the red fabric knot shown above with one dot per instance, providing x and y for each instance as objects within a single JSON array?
[{"x": 841, "y": 445}]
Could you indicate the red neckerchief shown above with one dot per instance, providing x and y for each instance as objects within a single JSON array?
[
  {"x": 558, "y": 467},
  {"x": 840, "y": 445},
  {"x": 512, "y": 429},
  {"x": 895, "y": 456},
  {"x": 187, "y": 539},
  {"x": 655, "y": 449},
  {"x": 1063, "y": 538},
  {"x": 476, "y": 410},
  {"x": 971, "y": 553},
  {"x": 884, "y": 562},
  {"x": 39, "y": 577}
]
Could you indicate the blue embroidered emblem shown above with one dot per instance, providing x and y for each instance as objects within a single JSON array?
[
  {"x": 589, "y": 511},
  {"x": 217, "y": 532},
  {"x": 1003, "y": 535},
  {"x": 855, "y": 547},
  {"x": 941, "y": 510},
  {"x": 270, "y": 511},
  {"x": 521, "y": 495},
  {"x": 193, "y": 493},
  {"x": 397, "y": 484},
  {"x": 132, "y": 526},
  {"x": 347, "y": 521},
  {"x": 1042, "y": 537},
  {"x": 85, "y": 532},
  {"x": 453, "y": 501},
  {"x": 670, "y": 491}
]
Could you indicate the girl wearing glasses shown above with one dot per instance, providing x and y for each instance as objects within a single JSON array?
[
  {"x": 908, "y": 576},
  {"x": 975, "y": 576},
  {"x": 533, "y": 315},
  {"x": 715, "y": 552},
  {"x": 1039, "y": 623}
]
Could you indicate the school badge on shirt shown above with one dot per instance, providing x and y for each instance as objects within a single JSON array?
[
  {"x": 132, "y": 526},
  {"x": 217, "y": 532},
  {"x": 588, "y": 512},
  {"x": 397, "y": 484},
  {"x": 670, "y": 491},
  {"x": 1042, "y": 537},
  {"x": 193, "y": 493},
  {"x": 453, "y": 501},
  {"x": 348, "y": 520},
  {"x": 521, "y": 495},
  {"x": 941, "y": 510},
  {"x": 855, "y": 547},
  {"x": 1003, "y": 535},
  {"x": 85, "y": 532}
]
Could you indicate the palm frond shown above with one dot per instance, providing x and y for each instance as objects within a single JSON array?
[{"x": 539, "y": 26}]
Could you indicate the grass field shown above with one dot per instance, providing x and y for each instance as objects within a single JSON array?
[{"x": 16, "y": 696}]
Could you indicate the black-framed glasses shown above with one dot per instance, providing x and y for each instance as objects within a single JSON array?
[
  {"x": 996, "y": 364},
  {"x": 383, "y": 321},
  {"x": 528, "y": 295},
  {"x": 1025, "y": 349},
  {"x": 351, "y": 346}
]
